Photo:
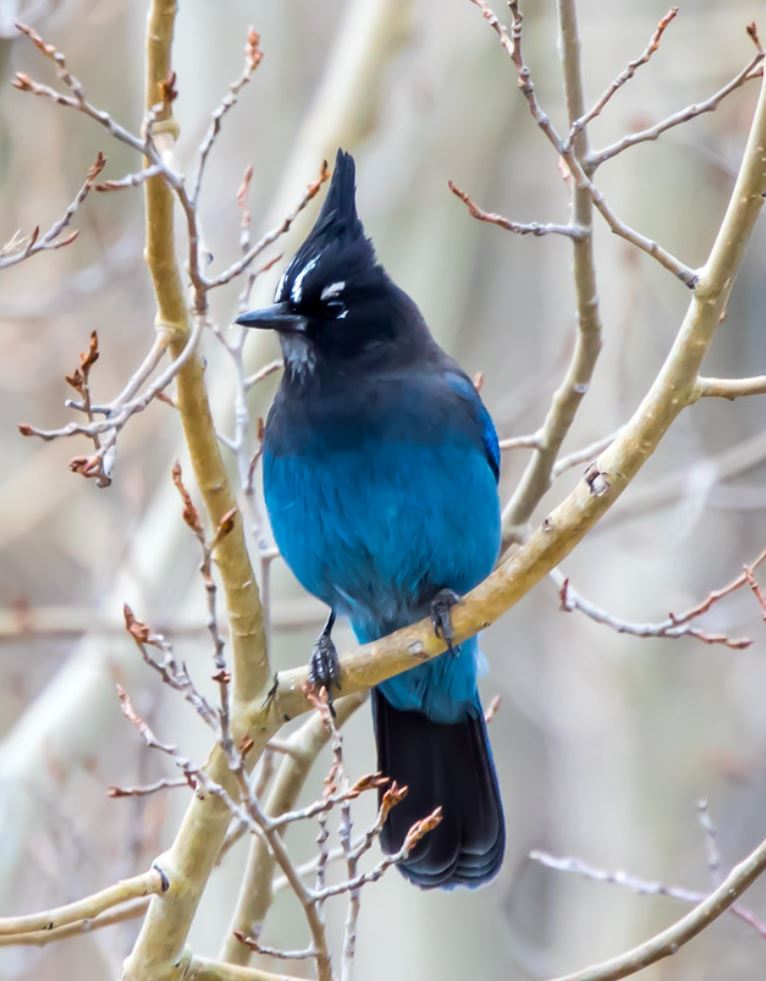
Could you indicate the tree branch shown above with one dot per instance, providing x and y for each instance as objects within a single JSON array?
[
  {"x": 151, "y": 883},
  {"x": 749, "y": 72},
  {"x": 676, "y": 625},
  {"x": 644, "y": 887},
  {"x": 203, "y": 969},
  {"x": 626, "y": 74},
  {"x": 668, "y": 942},
  {"x": 41, "y": 938},
  {"x": 18, "y": 249},
  {"x": 728, "y": 388},
  {"x": 532, "y": 228},
  {"x": 256, "y": 891},
  {"x": 538, "y": 475}
]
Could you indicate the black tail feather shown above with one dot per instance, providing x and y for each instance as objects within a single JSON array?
[{"x": 449, "y": 766}]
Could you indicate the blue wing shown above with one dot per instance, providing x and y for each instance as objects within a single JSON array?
[{"x": 466, "y": 390}]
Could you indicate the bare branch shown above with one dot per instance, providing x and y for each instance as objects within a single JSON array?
[
  {"x": 728, "y": 388},
  {"x": 129, "y": 180},
  {"x": 573, "y": 158},
  {"x": 530, "y": 442},
  {"x": 586, "y": 455},
  {"x": 238, "y": 267},
  {"x": 18, "y": 249},
  {"x": 669, "y": 941},
  {"x": 532, "y": 228},
  {"x": 538, "y": 475},
  {"x": 253, "y": 58},
  {"x": 749, "y": 72},
  {"x": 164, "y": 783},
  {"x": 625, "y": 75},
  {"x": 671, "y": 627},
  {"x": 264, "y": 372},
  {"x": 41, "y": 938},
  {"x": 153, "y": 882},
  {"x": 204, "y": 969},
  {"x": 711, "y": 843},
  {"x": 644, "y": 887}
]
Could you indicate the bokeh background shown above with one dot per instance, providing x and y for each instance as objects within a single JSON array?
[{"x": 604, "y": 742}]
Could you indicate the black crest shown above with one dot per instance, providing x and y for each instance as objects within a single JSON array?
[{"x": 336, "y": 250}]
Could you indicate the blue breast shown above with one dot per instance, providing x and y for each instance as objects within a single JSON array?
[{"x": 377, "y": 504}]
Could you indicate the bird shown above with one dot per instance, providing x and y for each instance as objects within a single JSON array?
[{"x": 380, "y": 470}]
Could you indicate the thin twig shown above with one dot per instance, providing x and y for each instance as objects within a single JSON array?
[
  {"x": 671, "y": 940},
  {"x": 625, "y": 75},
  {"x": 644, "y": 887},
  {"x": 164, "y": 783},
  {"x": 531, "y": 228},
  {"x": 253, "y": 57},
  {"x": 711, "y": 843},
  {"x": 675, "y": 625},
  {"x": 749, "y": 72}
]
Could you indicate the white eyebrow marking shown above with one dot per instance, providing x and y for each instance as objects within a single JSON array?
[
  {"x": 280, "y": 284},
  {"x": 332, "y": 290},
  {"x": 297, "y": 290}
]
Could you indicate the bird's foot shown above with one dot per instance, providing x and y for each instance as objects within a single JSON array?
[
  {"x": 441, "y": 617},
  {"x": 324, "y": 665}
]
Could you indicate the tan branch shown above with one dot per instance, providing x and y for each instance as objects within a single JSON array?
[
  {"x": 41, "y": 938},
  {"x": 729, "y": 388},
  {"x": 154, "y": 882},
  {"x": 668, "y": 942},
  {"x": 585, "y": 455},
  {"x": 203, "y": 969}
]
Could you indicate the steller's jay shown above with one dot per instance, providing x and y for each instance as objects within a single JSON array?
[{"x": 380, "y": 471}]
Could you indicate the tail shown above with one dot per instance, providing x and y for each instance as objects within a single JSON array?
[{"x": 447, "y": 765}]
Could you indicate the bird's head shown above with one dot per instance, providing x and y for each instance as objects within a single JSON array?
[{"x": 335, "y": 303}]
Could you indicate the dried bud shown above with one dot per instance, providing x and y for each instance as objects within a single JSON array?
[
  {"x": 96, "y": 167},
  {"x": 421, "y": 828},
  {"x": 370, "y": 781},
  {"x": 22, "y": 82},
  {"x": 168, "y": 88},
  {"x": 137, "y": 629},
  {"x": 190, "y": 514},
  {"x": 226, "y": 524},
  {"x": 253, "y": 52}
]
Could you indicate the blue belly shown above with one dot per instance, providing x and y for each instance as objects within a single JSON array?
[{"x": 375, "y": 530}]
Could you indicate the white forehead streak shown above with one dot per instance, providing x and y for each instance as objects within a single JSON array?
[
  {"x": 297, "y": 290},
  {"x": 332, "y": 290},
  {"x": 280, "y": 285}
]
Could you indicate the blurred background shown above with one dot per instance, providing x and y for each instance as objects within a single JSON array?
[{"x": 604, "y": 742}]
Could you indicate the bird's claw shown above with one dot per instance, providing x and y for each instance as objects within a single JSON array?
[
  {"x": 324, "y": 667},
  {"x": 441, "y": 616}
]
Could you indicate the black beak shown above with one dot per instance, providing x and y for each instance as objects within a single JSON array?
[{"x": 276, "y": 317}]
